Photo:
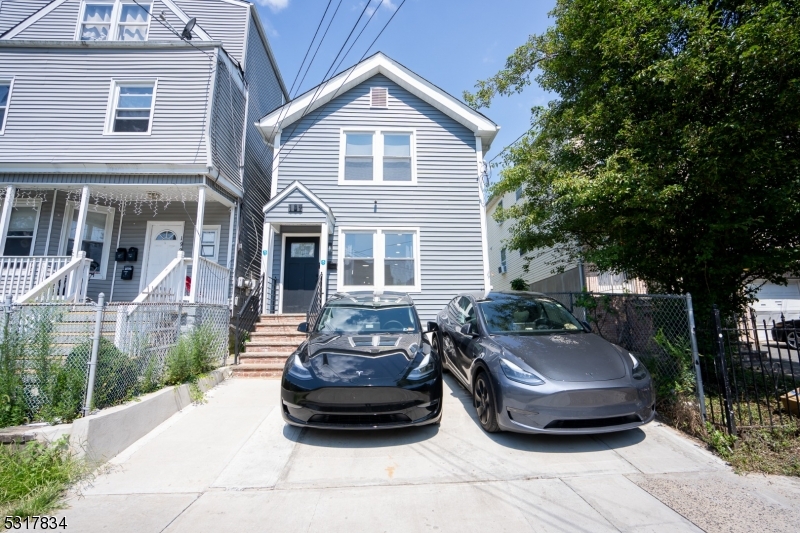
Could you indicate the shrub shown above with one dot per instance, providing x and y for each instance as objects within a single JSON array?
[
  {"x": 519, "y": 284},
  {"x": 194, "y": 355},
  {"x": 13, "y": 409},
  {"x": 116, "y": 375}
]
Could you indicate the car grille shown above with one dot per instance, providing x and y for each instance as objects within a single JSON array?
[
  {"x": 361, "y": 396},
  {"x": 359, "y": 419},
  {"x": 583, "y": 423}
]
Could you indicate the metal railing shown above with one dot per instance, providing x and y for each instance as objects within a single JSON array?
[
  {"x": 213, "y": 282},
  {"x": 19, "y": 275},
  {"x": 269, "y": 297},
  {"x": 316, "y": 305},
  {"x": 248, "y": 315},
  {"x": 67, "y": 284}
]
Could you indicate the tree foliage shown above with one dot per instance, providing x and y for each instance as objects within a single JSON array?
[{"x": 671, "y": 150}]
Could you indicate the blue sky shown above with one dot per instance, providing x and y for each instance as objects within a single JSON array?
[{"x": 451, "y": 43}]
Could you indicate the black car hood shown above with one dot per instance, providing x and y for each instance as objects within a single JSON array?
[
  {"x": 567, "y": 357},
  {"x": 361, "y": 358}
]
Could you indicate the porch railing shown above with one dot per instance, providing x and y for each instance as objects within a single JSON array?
[
  {"x": 67, "y": 284},
  {"x": 20, "y": 275},
  {"x": 169, "y": 285},
  {"x": 316, "y": 305},
  {"x": 248, "y": 315},
  {"x": 213, "y": 282}
]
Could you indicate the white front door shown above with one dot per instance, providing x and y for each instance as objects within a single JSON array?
[{"x": 164, "y": 240}]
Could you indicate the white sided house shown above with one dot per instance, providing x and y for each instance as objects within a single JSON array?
[
  {"x": 377, "y": 189},
  {"x": 126, "y": 149}
]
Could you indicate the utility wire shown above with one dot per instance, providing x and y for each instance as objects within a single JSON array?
[{"x": 509, "y": 146}]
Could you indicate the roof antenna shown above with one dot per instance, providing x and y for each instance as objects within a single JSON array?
[{"x": 186, "y": 35}]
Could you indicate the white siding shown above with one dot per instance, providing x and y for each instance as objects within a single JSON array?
[
  {"x": 58, "y": 25},
  {"x": 221, "y": 21},
  {"x": 12, "y": 12}
]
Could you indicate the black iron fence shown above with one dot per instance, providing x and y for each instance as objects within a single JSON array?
[
  {"x": 315, "y": 306},
  {"x": 750, "y": 371},
  {"x": 261, "y": 299}
]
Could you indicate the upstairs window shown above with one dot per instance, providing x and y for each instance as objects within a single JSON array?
[
  {"x": 358, "y": 157},
  {"x": 397, "y": 157},
  {"x": 378, "y": 157},
  {"x": 518, "y": 193},
  {"x": 122, "y": 20},
  {"x": 132, "y": 109},
  {"x": 5, "y": 96}
]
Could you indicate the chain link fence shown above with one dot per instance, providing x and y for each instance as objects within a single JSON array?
[{"x": 46, "y": 352}]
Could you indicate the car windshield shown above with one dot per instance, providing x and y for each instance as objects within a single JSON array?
[
  {"x": 520, "y": 314},
  {"x": 363, "y": 320}
]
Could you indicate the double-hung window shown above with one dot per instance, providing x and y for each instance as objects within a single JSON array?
[
  {"x": 96, "y": 235},
  {"x": 382, "y": 258},
  {"x": 132, "y": 107},
  {"x": 22, "y": 228},
  {"x": 120, "y": 20},
  {"x": 5, "y": 97},
  {"x": 380, "y": 156}
]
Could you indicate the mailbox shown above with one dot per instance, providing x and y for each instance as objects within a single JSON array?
[
  {"x": 121, "y": 255},
  {"x": 127, "y": 272},
  {"x": 133, "y": 254}
]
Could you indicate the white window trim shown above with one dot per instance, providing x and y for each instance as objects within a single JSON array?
[
  {"x": 377, "y": 155},
  {"x": 113, "y": 28},
  {"x": 111, "y": 105},
  {"x": 8, "y": 102},
  {"x": 37, "y": 204},
  {"x": 217, "y": 229},
  {"x": 379, "y": 257},
  {"x": 67, "y": 221}
]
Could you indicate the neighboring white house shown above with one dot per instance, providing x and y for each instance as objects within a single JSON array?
[
  {"x": 542, "y": 276},
  {"x": 124, "y": 143},
  {"x": 377, "y": 189}
]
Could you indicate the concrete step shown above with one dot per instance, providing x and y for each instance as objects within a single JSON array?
[
  {"x": 264, "y": 370},
  {"x": 276, "y": 329},
  {"x": 261, "y": 336}
]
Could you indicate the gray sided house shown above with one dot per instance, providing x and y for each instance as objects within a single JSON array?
[
  {"x": 130, "y": 163},
  {"x": 377, "y": 189}
]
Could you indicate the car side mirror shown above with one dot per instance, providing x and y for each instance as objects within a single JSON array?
[
  {"x": 586, "y": 326},
  {"x": 469, "y": 329},
  {"x": 302, "y": 327},
  {"x": 432, "y": 326}
]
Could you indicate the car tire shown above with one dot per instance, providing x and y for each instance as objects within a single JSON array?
[
  {"x": 792, "y": 339},
  {"x": 436, "y": 345},
  {"x": 483, "y": 399}
]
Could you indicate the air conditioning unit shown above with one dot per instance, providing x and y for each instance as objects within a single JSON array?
[{"x": 502, "y": 269}]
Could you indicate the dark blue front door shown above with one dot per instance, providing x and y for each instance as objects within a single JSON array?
[{"x": 300, "y": 272}]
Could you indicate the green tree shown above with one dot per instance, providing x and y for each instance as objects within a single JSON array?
[{"x": 671, "y": 149}]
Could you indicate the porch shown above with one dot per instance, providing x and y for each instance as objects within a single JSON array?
[{"x": 135, "y": 243}]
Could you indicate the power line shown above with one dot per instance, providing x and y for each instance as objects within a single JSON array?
[{"x": 509, "y": 145}]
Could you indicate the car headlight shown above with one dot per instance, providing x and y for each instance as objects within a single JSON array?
[
  {"x": 424, "y": 368},
  {"x": 639, "y": 371},
  {"x": 515, "y": 373},
  {"x": 297, "y": 370}
]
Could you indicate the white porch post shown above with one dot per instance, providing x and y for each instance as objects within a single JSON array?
[
  {"x": 197, "y": 242},
  {"x": 267, "y": 241},
  {"x": 323, "y": 255},
  {"x": 81, "y": 225},
  {"x": 5, "y": 217}
]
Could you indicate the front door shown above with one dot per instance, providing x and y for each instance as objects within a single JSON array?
[
  {"x": 300, "y": 272},
  {"x": 164, "y": 240}
]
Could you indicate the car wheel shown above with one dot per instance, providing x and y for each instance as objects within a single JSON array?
[
  {"x": 792, "y": 339},
  {"x": 483, "y": 399},
  {"x": 436, "y": 346}
]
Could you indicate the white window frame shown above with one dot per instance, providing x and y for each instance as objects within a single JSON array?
[
  {"x": 116, "y": 10},
  {"x": 379, "y": 258},
  {"x": 36, "y": 203},
  {"x": 10, "y": 82},
  {"x": 217, "y": 229},
  {"x": 504, "y": 259},
  {"x": 111, "y": 106},
  {"x": 377, "y": 155},
  {"x": 67, "y": 221}
]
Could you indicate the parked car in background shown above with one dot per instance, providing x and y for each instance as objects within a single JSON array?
[
  {"x": 365, "y": 365},
  {"x": 533, "y": 367},
  {"x": 787, "y": 331}
]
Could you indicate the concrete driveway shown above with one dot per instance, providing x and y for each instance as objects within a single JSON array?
[{"x": 232, "y": 465}]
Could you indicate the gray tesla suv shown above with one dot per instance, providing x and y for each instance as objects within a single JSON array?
[{"x": 532, "y": 367}]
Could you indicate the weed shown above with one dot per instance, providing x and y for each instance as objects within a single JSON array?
[
  {"x": 13, "y": 408},
  {"x": 192, "y": 356},
  {"x": 116, "y": 374},
  {"x": 35, "y": 476}
]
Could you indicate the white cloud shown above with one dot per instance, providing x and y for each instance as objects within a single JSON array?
[
  {"x": 274, "y": 5},
  {"x": 387, "y": 4}
]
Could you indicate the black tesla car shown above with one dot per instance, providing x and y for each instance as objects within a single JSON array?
[
  {"x": 365, "y": 365},
  {"x": 532, "y": 367}
]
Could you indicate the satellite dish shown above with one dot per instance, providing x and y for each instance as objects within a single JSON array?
[{"x": 187, "y": 30}]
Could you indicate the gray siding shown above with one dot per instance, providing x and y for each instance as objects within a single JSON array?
[
  {"x": 221, "y": 21},
  {"x": 227, "y": 124},
  {"x": 12, "y": 12},
  {"x": 444, "y": 204},
  {"x": 57, "y": 112},
  {"x": 58, "y": 25},
  {"x": 264, "y": 95},
  {"x": 158, "y": 32},
  {"x": 311, "y": 213}
]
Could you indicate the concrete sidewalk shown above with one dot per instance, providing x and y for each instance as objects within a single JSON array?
[{"x": 233, "y": 465}]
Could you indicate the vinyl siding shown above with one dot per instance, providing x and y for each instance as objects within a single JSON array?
[
  {"x": 227, "y": 124},
  {"x": 58, "y": 25},
  {"x": 12, "y": 12},
  {"x": 221, "y": 21},
  {"x": 159, "y": 32},
  {"x": 57, "y": 111},
  {"x": 311, "y": 213},
  {"x": 444, "y": 204},
  {"x": 264, "y": 95}
]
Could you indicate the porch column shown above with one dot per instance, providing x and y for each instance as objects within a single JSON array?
[
  {"x": 81, "y": 225},
  {"x": 267, "y": 241},
  {"x": 197, "y": 243},
  {"x": 5, "y": 217},
  {"x": 323, "y": 256}
]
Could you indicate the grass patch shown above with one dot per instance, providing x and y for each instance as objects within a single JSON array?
[
  {"x": 767, "y": 451},
  {"x": 34, "y": 477},
  {"x": 190, "y": 359}
]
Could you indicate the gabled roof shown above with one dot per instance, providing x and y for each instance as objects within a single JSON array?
[
  {"x": 378, "y": 63},
  {"x": 313, "y": 198}
]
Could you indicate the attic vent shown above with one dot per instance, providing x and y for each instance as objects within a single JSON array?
[{"x": 379, "y": 97}]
